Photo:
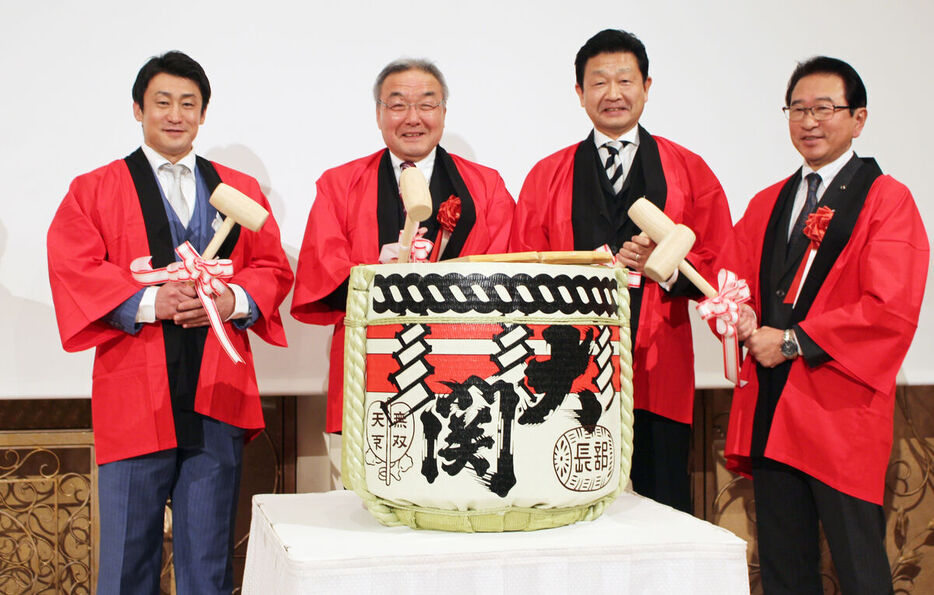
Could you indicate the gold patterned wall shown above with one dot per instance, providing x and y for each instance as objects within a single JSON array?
[
  {"x": 48, "y": 525},
  {"x": 726, "y": 499},
  {"x": 48, "y": 493}
]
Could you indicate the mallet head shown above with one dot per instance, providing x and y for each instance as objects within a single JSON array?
[
  {"x": 239, "y": 207},
  {"x": 415, "y": 194},
  {"x": 669, "y": 253}
]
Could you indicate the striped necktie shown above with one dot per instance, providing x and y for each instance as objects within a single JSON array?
[{"x": 614, "y": 164}]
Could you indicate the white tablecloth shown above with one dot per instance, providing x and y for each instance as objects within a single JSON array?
[{"x": 329, "y": 543}]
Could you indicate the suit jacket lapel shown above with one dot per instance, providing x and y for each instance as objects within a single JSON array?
[
  {"x": 774, "y": 275},
  {"x": 588, "y": 208}
]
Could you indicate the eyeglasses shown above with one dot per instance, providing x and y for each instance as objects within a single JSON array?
[
  {"x": 400, "y": 107},
  {"x": 820, "y": 112}
]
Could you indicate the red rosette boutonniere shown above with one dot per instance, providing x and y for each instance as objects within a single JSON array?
[
  {"x": 449, "y": 213},
  {"x": 814, "y": 228},
  {"x": 816, "y": 225}
]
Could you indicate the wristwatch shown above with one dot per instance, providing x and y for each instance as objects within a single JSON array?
[{"x": 789, "y": 345}]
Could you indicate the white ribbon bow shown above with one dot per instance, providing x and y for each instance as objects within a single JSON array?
[
  {"x": 207, "y": 276},
  {"x": 725, "y": 308}
]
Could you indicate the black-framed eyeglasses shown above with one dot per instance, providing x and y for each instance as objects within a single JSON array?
[
  {"x": 400, "y": 107},
  {"x": 820, "y": 112}
]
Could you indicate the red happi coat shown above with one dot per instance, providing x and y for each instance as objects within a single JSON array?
[
  {"x": 663, "y": 355},
  {"x": 95, "y": 234},
  {"x": 342, "y": 232},
  {"x": 833, "y": 421}
]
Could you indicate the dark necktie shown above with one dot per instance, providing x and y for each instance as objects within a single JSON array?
[
  {"x": 614, "y": 164},
  {"x": 810, "y": 205}
]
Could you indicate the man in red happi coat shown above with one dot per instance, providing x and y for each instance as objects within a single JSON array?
[
  {"x": 357, "y": 210},
  {"x": 578, "y": 198},
  {"x": 171, "y": 410},
  {"x": 836, "y": 257}
]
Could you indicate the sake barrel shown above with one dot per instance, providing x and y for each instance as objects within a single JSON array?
[{"x": 487, "y": 396}]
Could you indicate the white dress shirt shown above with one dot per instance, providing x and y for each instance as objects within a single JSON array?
[
  {"x": 166, "y": 180},
  {"x": 426, "y": 165},
  {"x": 626, "y": 154}
]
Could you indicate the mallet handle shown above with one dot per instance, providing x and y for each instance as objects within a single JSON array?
[
  {"x": 694, "y": 277},
  {"x": 219, "y": 236},
  {"x": 405, "y": 242}
]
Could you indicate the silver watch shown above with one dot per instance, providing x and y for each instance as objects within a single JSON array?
[{"x": 789, "y": 345}]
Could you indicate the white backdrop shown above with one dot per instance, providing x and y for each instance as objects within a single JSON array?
[{"x": 292, "y": 97}]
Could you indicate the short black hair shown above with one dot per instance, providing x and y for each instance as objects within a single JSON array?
[
  {"x": 175, "y": 63},
  {"x": 853, "y": 87},
  {"x": 611, "y": 41}
]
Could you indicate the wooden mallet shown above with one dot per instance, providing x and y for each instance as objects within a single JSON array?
[
  {"x": 238, "y": 208},
  {"x": 417, "y": 200},
  {"x": 674, "y": 242}
]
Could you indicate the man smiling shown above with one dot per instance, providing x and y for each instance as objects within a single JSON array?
[
  {"x": 171, "y": 410},
  {"x": 357, "y": 210},
  {"x": 836, "y": 257},
  {"x": 577, "y": 199}
]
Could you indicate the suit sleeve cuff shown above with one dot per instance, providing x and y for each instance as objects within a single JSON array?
[
  {"x": 245, "y": 310},
  {"x": 812, "y": 353},
  {"x": 124, "y": 316}
]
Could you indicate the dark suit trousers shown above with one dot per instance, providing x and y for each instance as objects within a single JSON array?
[
  {"x": 203, "y": 484},
  {"x": 790, "y": 505},
  {"x": 660, "y": 460}
]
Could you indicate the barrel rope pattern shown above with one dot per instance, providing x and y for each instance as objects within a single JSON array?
[
  {"x": 500, "y": 293},
  {"x": 626, "y": 403}
]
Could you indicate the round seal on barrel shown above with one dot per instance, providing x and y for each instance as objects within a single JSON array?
[{"x": 584, "y": 458}]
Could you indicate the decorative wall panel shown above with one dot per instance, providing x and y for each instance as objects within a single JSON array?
[
  {"x": 48, "y": 516},
  {"x": 727, "y": 499}
]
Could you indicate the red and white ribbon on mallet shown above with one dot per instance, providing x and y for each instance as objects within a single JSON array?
[
  {"x": 420, "y": 250},
  {"x": 206, "y": 272},
  {"x": 207, "y": 276},
  {"x": 725, "y": 308},
  {"x": 635, "y": 277}
]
